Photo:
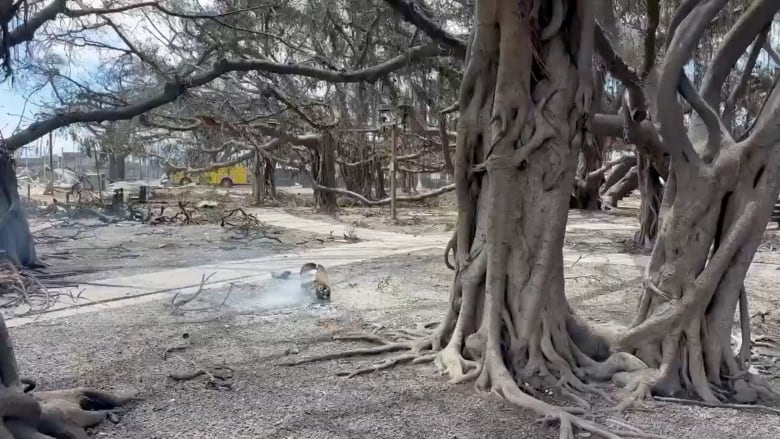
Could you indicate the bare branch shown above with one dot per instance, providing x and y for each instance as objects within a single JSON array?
[
  {"x": 609, "y": 165},
  {"x": 412, "y": 13},
  {"x": 679, "y": 15},
  {"x": 653, "y": 19},
  {"x": 680, "y": 48},
  {"x": 771, "y": 52},
  {"x": 26, "y": 31},
  {"x": 767, "y": 129},
  {"x": 174, "y": 89},
  {"x": 759, "y": 15},
  {"x": 738, "y": 91},
  {"x": 715, "y": 130},
  {"x": 240, "y": 158}
]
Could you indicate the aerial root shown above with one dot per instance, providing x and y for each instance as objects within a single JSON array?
[
  {"x": 413, "y": 358},
  {"x": 567, "y": 418},
  {"x": 417, "y": 345},
  {"x": 385, "y": 348}
]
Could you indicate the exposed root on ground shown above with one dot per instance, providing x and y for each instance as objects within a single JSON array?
[
  {"x": 59, "y": 414},
  {"x": 491, "y": 375},
  {"x": 416, "y": 343}
]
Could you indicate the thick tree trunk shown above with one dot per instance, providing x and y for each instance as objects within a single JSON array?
[
  {"x": 270, "y": 178},
  {"x": 585, "y": 195},
  {"x": 509, "y": 323},
  {"x": 379, "y": 181},
  {"x": 326, "y": 175},
  {"x": 16, "y": 241},
  {"x": 258, "y": 180},
  {"x": 116, "y": 167},
  {"x": 706, "y": 242}
]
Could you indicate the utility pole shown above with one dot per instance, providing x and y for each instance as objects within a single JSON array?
[
  {"x": 393, "y": 166},
  {"x": 50, "y": 185},
  {"x": 51, "y": 158}
]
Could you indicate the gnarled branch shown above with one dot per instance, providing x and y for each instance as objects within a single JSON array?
[
  {"x": 624, "y": 73},
  {"x": 175, "y": 89},
  {"x": 412, "y": 13}
]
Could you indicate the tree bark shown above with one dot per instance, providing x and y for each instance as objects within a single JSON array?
[
  {"x": 379, "y": 180},
  {"x": 651, "y": 192},
  {"x": 16, "y": 241},
  {"x": 585, "y": 195},
  {"x": 258, "y": 180},
  {"x": 270, "y": 178},
  {"x": 444, "y": 137},
  {"x": 326, "y": 175}
]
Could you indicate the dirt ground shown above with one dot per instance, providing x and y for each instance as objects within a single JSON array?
[{"x": 124, "y": 348}]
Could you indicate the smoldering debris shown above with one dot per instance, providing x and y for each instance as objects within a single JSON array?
[{"x": 279, "y": 293}]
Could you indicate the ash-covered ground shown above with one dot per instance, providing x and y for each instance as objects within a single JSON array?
[{"x": 247, "y": 336}]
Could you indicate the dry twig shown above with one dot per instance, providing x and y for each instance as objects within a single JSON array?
[{"x": 21, "y": 288}]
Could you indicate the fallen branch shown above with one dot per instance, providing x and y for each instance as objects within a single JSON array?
[
  {"x": 384, "y": 201},
  {"x": 246, "y": 224},
  {"x": 219, "y": 377},
  {"x": 21, "y": 288},
  {"x": 176, "y": 305}
]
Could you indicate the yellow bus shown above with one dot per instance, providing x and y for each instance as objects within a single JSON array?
[{"x": 228, "y": 176}]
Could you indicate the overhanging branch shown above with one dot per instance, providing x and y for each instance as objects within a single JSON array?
[
  {"x": 173, "y": 90},
  {"x": 672, "y": 127},
  {"x": 625, "y": 74},
  {"x": 412, "y": 13},
  {"x": 766, "y": 132}
]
